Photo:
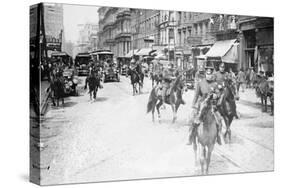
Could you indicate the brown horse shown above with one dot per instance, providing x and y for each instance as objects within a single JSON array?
[
  {"x": 174, "y": 98},
  {"x": 93, "y": 80},
  {"x": 136, "y": 79},
  {"x": 206, "y": 134},
  {"x": 155, "y": 78},
  {"x": 227, "y": 108}
]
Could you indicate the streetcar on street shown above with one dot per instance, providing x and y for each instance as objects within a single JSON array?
[
  {"x": 104, "y": 59},
  {"x": 82, "y": 61}
]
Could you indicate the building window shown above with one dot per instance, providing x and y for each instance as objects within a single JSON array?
[{"x": 195, "y": 29}]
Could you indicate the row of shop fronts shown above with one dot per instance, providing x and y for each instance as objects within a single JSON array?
[{"x": 247, "y": 45}]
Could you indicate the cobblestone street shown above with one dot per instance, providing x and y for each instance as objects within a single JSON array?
[{"x": 87, "y": 141}]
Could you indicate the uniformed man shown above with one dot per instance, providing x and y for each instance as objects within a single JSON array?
[
  {"x": 168, "y": 76},
  {"x": 221, "y": 75},
  {"x": 203, "y": 88}
]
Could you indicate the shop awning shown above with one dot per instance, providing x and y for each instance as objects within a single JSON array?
[
  {"x": 131, "y": 53},
  {"x": 144, "y": 51},
  {"x": 160, "y": 56},
  {"x": 232, "y": 55},
  {"x": 220, "y": 48}
]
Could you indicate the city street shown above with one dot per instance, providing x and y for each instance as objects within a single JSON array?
[{"x": 113, "y": 138}]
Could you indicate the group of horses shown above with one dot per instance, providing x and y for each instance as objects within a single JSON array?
[{"x": 206, "y": 132}]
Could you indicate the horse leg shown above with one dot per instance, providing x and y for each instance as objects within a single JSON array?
[
  {"x": 133, "y": 89},
  {"x": 174, "y": 113},
  {"x": 202, "y": 152},
  {"x": 272, "y": 105},
  {"x": 153, "y": 110},
  {"x": 208, "y": 160},
  {"x": 262, "y": 103},
  {"x": 265, "y": 103},
  {"x": 158, "y": 111},
  {"x": 195, "y": 154},
  {"x": 229, "y": 130},
  {"x": 95, "y": 93},
  {"x": 226, "y": 127},
  {"x": 62, "y": 101}
]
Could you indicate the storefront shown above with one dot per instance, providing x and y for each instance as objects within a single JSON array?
[
  {"x": 257, "y": 47},
  {"x": 224, "y": 51}
]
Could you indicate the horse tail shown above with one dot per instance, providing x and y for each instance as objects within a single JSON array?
[{"x": 151, "y": 99}]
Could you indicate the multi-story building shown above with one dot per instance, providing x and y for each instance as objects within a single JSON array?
[
  {"x": 185, "y": 37},
  {"x": 107, "y": 17},
  {"x": 145, "y": 24},
  {"x": 53, "y": 19},
  {"x": 201, "y": 32},
  {"x": 87, "y": 37},
  {"x": 122, "y": 29},
  {"x": 256, "y": 43},
  {"x": 53, "y": 25}
]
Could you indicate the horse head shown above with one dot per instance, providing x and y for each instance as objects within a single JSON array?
[
  {"x": 230, "y": 89},
  {"x": 178, "y": 83},
  {"x": 207, "y": 105}
]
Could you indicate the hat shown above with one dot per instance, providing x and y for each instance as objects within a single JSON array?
[
  {"x": 222, "y": 64},
  {"x": 209, "y": 71},
  {"x": 209, "y": 65},
  {"x": 133, "y": 61}
]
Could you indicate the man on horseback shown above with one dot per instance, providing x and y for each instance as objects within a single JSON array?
[
  {"x": 220, "y": 77},
  {"x": 168, "y": 76},
  {"x": 203, "y": 89}
]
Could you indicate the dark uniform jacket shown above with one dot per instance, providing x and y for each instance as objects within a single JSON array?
[
  {"x": 168, "y": 74},
  {"x": 220, "y": 77},
  {"x": 202, "y": 90}
]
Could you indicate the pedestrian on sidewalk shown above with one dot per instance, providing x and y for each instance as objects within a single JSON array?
[
  {"x": 241, "y": 79},
  {"x": 248, "y": 72},
  {"x": 253, "y": 77}
]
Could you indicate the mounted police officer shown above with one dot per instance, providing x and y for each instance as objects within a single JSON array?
[
  {"x": 168, "y": 76},
  {"x": 134, "y": 66},
  {"x": 221, "y": 75},
  {"x": 203, "y": 89}
]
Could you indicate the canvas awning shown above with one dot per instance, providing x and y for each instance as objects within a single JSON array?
[
  {"x": 160, "y": 56},
  {"x": 232, "y": 55},
  {"x": 131, "y": 53},
  {"x": 226, "y": 50},
  {"x": 144, "y": 51}
]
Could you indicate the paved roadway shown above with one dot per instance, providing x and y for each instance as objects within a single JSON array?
[{"x": 114, "y": 139}]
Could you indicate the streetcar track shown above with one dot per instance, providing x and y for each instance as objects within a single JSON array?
[
  {"x": 254, "y": 141},
  {"x": 230, "y": 159}
]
